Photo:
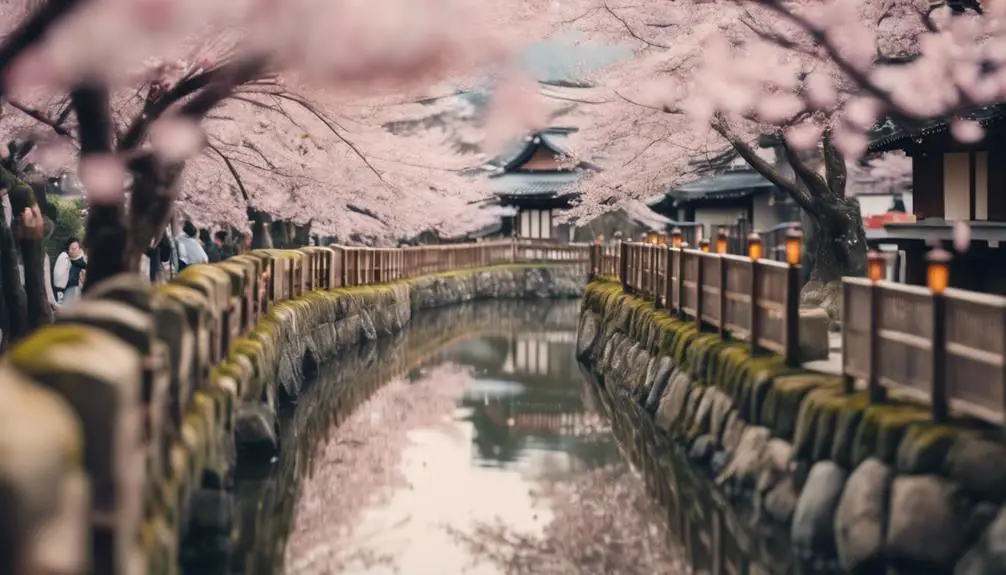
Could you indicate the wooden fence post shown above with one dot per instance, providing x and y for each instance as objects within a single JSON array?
[
  {"x": 623, "y": 273},
  {"x": 793, "y": 276},
  {"x": 595, "y": 257},
  {"x": 941, "y": 408},
  {"x": 679, "y": 280},
  {"x": 874, "y": 390},
  {"x": 668, "y": 284},
  {"x": 723, "y": 293},
  {"x": 699, "y": 280},
  {"x": 755, "y": 318}
]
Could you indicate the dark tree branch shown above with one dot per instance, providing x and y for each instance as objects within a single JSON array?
[
  {"x": 630, "y": 30},
  {"x": 771, "y": 173},
  {"x": 31, "y": 32},
  {"x": 234, "y": 172},
  {"x": 91, "y": 104},
  {"x": 157, "y": 103},
  {"x": 812, "y": 180},
  {"x": 56, "y": 124},
  {"x": 223, "y": 85},
  {"x": 836, "y": 171}
]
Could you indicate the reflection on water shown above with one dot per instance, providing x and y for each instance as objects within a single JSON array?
[{"x": 488, "y": 459}]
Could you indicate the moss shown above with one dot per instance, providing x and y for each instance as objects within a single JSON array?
[
  {"x": 926, "y": 446},
  {"x": 783, "y": 398},
  {"x": 40, "y": 343},
  {"x": 881, "y": 430}
]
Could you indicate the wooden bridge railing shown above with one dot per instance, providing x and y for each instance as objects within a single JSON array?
[
  {"x": 940, "y": 344},
  {"x": 343, "y": 266},
  {"x": 745, "y": 297}
]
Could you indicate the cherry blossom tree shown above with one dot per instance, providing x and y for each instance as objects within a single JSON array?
[
  {"x": 190, "y": 58},
  {"x": 737, "y": 77}
]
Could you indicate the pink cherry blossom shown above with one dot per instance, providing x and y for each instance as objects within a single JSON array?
[
  {"x": 104, "y": 178},
  {"x": 966, "y": 131},
  {"x": 176, "y": 139}
]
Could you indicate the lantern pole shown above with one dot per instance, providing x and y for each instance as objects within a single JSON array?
[
  {"x": 875, "y": 268},
  {"x": 794, "y": 274},
  {"x": 938, "y": 279},
  {"x": 754, "y": 319}
]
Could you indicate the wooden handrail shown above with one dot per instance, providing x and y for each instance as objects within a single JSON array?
[
  {"x": 755, "y": 300},
  {"x": 948, "y": 349}
]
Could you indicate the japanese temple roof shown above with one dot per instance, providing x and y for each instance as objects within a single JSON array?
[
  {"x": 552, "y": 139},
  {"x": 888, "y": 135},
  {"x": 727, "y": 185},
  {"x": 532, "y": 184}
]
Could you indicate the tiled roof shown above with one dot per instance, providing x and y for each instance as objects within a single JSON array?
[
  {"x": 728, "y": 185},
  {"x": 888, "y": 135}
]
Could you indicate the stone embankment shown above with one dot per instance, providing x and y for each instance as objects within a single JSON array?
[
  {"x": 869, "y": 486},
  {"x": 121, "y": 424}
]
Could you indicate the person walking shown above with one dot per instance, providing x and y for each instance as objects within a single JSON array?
[
  {"x": 70, "y": 272},
  {"x": 219, "y": 250},
  {"x": 190, "y": 250}
]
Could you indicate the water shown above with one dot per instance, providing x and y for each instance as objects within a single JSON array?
[{"x": 473, "y": 444}]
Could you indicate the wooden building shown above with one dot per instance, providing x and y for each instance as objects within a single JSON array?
[
  {"x": 953, "y": 182},
  {"x": 724, "y": 198},
  {"x": 537, "y": 179}
]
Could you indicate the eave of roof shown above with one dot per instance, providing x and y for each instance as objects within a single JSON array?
[
  {"x": 728, "y": 185},
  {"x": 887, "y": 136}
]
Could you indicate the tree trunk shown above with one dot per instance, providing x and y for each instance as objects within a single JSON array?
[
  {"x": 13, "y": 290},
  {"x": 836, "y": 248},
  {"x": 105, "y": 241},
  {"x": 301, "y": 235},
  {"x": 261, "y": 238},
  {"x": 30, "y": 246}
]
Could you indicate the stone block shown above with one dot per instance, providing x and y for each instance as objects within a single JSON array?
[
  {"x": 813, "y": 527},
  {"x": 926, "y": 524},
  {"x": 862, "y": 515},
  {"x": 814, "y": 324},
  {"x": 44, "y": 492}
]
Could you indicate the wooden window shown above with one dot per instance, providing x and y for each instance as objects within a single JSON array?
[
  {"x": 927, "y": 184},
  {"x": 956, "y": 186},
  {"x": 546, "y": 224}
]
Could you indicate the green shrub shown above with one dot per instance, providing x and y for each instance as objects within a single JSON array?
[{"x": 68, "y": 222}]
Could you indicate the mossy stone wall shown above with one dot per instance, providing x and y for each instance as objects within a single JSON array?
[
  {"x": 121, "y": 424},
  {"x": 869, "y": 486}
]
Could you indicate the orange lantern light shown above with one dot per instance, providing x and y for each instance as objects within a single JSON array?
[
  {"x": 676, "y": 238},
  {"x": 875, "y": 266},
  {"x": 938, "y": 270},
  {"x": 754, "y": 246},
  {"x": 721, "y": 241},
  {"x": 794, "y": 246}
]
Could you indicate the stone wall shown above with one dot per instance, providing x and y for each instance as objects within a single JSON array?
[
  {"x": 867, "y": 486},
  {"x": 121, "y": 424}
]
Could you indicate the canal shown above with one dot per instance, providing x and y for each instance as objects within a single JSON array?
[{"x": 473, "y": 443}]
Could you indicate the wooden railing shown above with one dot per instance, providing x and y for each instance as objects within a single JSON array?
[
  {"x": 343, "y": 266},
  {"x": 947, "y": 348},
  {"x": 756, "y": 300}
]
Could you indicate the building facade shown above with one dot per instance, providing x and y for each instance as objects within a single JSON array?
[
  {"x": 953, "y": 183},
  {"x": 538, "y": 180}
]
